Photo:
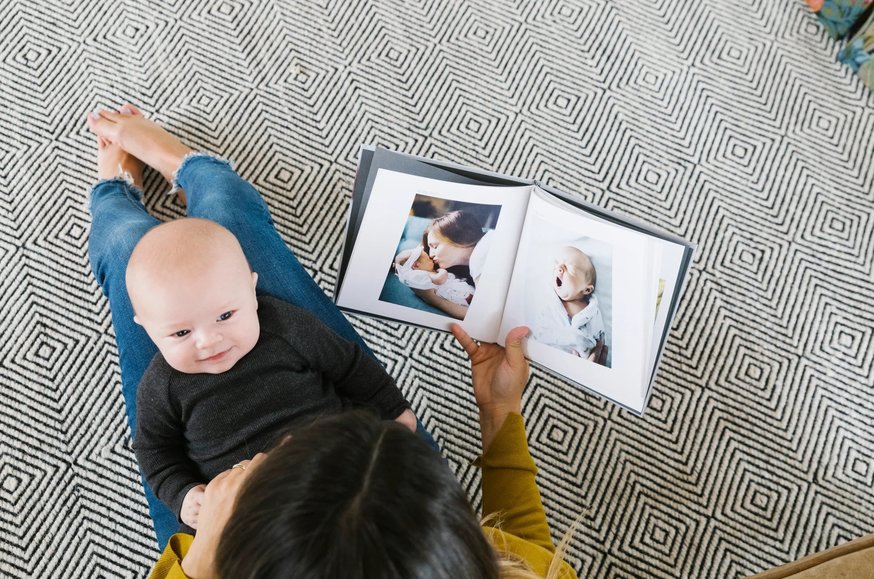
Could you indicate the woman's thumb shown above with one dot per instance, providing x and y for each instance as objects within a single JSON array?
[{"x": 513, "y": 343}]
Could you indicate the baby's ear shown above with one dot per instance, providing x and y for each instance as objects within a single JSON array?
[
  {"x": 254, "y": 288},
  {"x": 589, "y": 289}
]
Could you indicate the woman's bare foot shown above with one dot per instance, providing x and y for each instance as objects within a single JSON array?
[
  {"x": 142, "y": 138},
  {"x": 113, "y": 161}
]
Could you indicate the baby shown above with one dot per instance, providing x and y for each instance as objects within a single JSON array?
[
  {"x": 415, "y": 269},
  {"x": 571, "y": 319},
  {"x": 234, "y": 370}
]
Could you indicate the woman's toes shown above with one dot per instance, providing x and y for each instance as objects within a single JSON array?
[
  {"x": 102, "y": 125},
  {"x": 130, "y": 109}
]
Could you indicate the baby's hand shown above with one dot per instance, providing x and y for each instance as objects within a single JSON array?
[
  {"x": 191, "y": 505},
  {"x": 408, "y": 419}
]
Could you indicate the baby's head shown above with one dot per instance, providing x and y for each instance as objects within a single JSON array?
[
  {"x": 424, "y": 261},
  {"x": 574, "y": 276},
  {"x": 193, "y": 292}
]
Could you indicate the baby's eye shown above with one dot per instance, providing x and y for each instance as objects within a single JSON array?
[
  {"x": 225, "y": 316},
  {"x": 182, "y": 333}
]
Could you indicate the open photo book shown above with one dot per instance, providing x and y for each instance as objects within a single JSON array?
[{"x": 432, "y": 243}]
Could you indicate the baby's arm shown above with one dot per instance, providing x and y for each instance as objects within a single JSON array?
[
  {"x": 439, "y": 277},
  {"x": 408, "y": 419},
  {"x": 159, "y": 443},
  {"x": 357, "y": 377},
  {"x": 430, "y": 297}
]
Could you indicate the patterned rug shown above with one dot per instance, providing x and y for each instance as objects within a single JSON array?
[{"x": 728, "y": 123}]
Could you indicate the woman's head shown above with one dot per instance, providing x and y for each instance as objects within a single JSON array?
[
  {"x": 353, "y": 496},
  {"x": 450, "y": 239}
]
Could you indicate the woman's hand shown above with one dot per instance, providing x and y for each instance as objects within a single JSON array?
[
  {"x": 218, "y": 504},
  {"x": 499, "y": 377},
  {"x": 430, "y": 297}
]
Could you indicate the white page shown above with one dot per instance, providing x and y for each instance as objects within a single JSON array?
[
  {"x": 624, "y": 261},
  {"x": 671, "y": 258},
  {"x": 390, "y": 215}
]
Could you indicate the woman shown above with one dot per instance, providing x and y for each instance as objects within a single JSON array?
[
  {"x": 456, "y": 242},
  {"x": 353, "y": 497},
  {"x": 400, "y": 489}
]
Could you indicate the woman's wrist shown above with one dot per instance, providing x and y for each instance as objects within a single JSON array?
[
  {"x": 198, "y": 561},
  {"x": 492, "y": 418}
]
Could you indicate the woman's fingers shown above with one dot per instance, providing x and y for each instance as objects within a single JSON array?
[
  {"x": 241, "y": 469},
  {"x": 256, "y": 460}
]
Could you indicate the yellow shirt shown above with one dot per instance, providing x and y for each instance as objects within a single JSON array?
[{"x": 509, "y": 489}]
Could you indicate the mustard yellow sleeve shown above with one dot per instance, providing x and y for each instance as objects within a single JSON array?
[
  {"x": 509, "y": 488},
  {"x": 169, "y": 566}
]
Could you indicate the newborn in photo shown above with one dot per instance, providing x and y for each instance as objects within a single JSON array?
[
  {"x": 570, "y": 319},
  {"x": 418, "y": 272}
]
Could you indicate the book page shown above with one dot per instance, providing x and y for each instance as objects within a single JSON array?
[
  {"x": 670, "y": 263},
  {"x": 454, "y": 242},
  {"x": 580, "y": 284},
  {"x": 669, "y": 256}
]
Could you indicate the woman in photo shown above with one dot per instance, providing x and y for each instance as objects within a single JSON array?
[{"x": 456, "y": 243}]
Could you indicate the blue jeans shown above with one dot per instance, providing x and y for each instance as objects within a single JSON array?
[{"x": 214, "y": 191}]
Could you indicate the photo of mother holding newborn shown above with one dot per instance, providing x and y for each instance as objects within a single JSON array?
[{"x": 440, "y": 256}]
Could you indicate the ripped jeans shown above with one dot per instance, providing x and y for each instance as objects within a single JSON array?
[{"x": 214, "y": 191}]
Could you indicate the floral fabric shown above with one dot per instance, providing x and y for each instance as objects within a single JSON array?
[
  {"x": 859, "y": 53},
  {"x": 839, "y": 16}
]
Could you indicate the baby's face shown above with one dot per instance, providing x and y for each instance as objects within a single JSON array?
[
  {"x": 424, "y": 262},
  {"x": 572, "y": 274},
  {"x": 203, "y": 323}
]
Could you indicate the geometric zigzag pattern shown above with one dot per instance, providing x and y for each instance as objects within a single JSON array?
[{"x": 729, "y": 124}]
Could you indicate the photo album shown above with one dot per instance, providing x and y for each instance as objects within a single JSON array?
[{"x": 433, "y": 243}]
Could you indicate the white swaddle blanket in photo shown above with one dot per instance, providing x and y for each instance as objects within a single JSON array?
[
  {"x": 453, "y": 289},
  {"x": 577, "y": 334}
]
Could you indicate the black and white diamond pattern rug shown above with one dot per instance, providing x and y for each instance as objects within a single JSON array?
[{"x": 729, "y": 123}]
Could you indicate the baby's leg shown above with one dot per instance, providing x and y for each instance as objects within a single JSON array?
[{"x": 216, "y": 192}]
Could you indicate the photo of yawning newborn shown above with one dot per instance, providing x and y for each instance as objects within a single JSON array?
[{"x": 569, "y": 288}]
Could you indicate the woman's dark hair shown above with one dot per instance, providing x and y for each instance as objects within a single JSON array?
[
  {"x": 462, "y": 228},
  {"x": 354, "y": 497}
]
